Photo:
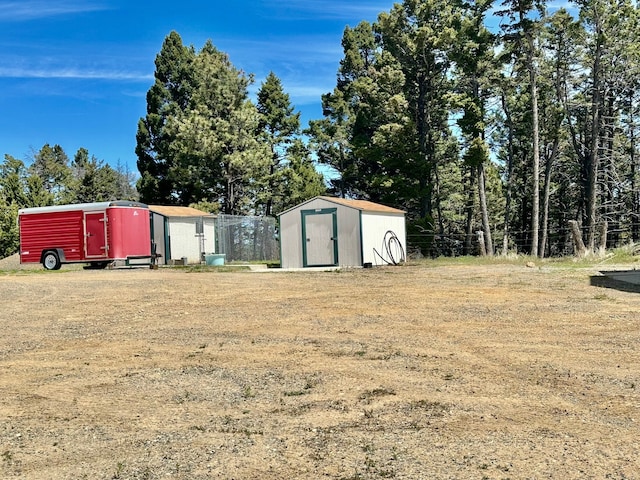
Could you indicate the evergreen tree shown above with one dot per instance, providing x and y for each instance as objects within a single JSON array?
[
  {"x": 18, "y": 189},
  {"x": 96, "y": 181},
  {"x": 198, "y": 142},
  {"x": 475, "y": 69},
  {"x": 51, "y": 164},
  {"x": 169, "y": 96},
  {"x": 279, "y": 125},
  {"x": 419, "y": 35},
  {"x": 330, "y": 140},
  {"x": 521, "y": 29},
  {"x": 300, "y": 179},
  {"x": 217, "y": 154},
  {"x": 559, "y": 38}
]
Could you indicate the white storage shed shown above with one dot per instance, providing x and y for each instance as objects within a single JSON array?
[
  {"x": 182, "y": 232},
  {"x": 327, "y": 231}
]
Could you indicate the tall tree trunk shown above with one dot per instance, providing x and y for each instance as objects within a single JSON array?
[
  {"x": 608, "y": 171},
  {"x": 546, "y": 196},
  {"x": 593, "y": 159},
  {"x": 271, "y": 183},
  {"x": 633, "y": 173},
  {"x": 578, "y": 244},
  {"x": 535, "y": 200},
  {"x": 438, "y": 203},
  {"x": 423, "y": 121},
  {"x": 470, "y": 196},
  {"x": 488, "y": 241},
  {"x": 507, "y": 207}
]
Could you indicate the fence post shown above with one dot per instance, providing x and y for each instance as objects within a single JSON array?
[{"x": 602, "y": 247}]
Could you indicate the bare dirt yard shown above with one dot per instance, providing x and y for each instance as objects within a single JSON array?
[{"x": 428, "y": 371}]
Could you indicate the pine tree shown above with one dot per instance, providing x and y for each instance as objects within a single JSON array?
[
  {"x": 278, "y": 124},
  {"x": 522, "y": 29},
  {"x": 169, "y": 96},
  {"x": 51, "y": 164},
  {"x": 475, "y": 70}
]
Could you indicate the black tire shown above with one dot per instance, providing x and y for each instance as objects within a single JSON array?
[{"x": 51, "y": 261}]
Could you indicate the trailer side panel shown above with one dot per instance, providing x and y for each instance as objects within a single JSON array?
[{"x": 53, "y": 230}]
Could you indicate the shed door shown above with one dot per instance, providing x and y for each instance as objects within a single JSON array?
[
  {"x": 95, "y": 234},
  {"x": 320, "y": 237}
]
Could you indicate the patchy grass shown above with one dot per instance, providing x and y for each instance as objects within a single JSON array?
[
  {"x": 414, "y": 372},
  {"x": 628, "y": 254}
]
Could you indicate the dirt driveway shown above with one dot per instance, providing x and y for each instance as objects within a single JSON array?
[{"x": 415, "y": 372}]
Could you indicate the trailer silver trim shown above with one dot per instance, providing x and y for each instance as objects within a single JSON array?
[{"x": 86, "y": 207}]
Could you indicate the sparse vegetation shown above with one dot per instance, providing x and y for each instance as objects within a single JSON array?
[{"x": 173, "y": 375}]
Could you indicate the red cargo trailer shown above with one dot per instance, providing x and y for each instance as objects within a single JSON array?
[{"x": 95, "y": 233}]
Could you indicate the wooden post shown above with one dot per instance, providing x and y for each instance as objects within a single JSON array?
[
  {"x": 578, "y": 243},
  {"x": 602, "y": 247}
]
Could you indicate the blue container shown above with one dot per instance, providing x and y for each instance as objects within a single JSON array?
[{"x": 214, "y": 259}]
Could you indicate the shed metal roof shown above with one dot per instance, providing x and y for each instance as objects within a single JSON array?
[
  {"x": 172, "y": 211},
  {"x": 362, "y": 205}
]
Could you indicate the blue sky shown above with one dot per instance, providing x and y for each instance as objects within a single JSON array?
[{"x": 76, "y": 72}]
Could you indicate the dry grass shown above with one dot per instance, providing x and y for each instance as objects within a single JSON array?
[{"x": 456, "y": 372}]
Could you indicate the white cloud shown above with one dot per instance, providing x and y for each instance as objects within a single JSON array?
[
  {"x": 72, "y": 73},
  {"x": 33, "y": 9},
  {"x": 330, "y": 9},
  {"x": 306, "y": 94}
]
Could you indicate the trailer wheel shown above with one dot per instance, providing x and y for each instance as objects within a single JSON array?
[{"x": 51, "y": 261}]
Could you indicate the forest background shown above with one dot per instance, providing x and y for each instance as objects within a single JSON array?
[{"x": 517, "y": 138}]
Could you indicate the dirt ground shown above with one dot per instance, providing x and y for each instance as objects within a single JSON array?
[{"x": 413, "y": 372}]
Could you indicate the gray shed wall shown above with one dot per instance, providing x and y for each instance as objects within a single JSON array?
[{"x": 349, "y": 239}]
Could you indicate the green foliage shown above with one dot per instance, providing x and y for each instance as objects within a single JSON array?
[
  {"x": 204, "y": 206},
  {"x": 198, "y": 141},
  {"x": 382, "y": 132},
  {"x": 170, "y": 95},
  {"x": 51, "y": 165},
  {"x": 9, "y": 235},
  {"x": 18, "y": 189},
  {"x": 95, "y": 181},
  {"x": 299, "y": 179},
  {"x": 279, "y": 125}
]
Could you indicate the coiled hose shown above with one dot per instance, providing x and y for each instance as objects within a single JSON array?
[{"x": 392, "y": 248}]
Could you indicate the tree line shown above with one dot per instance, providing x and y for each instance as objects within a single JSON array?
[
  {"x": 503, "y": 119},
  {"x": 497, "y": 127}
]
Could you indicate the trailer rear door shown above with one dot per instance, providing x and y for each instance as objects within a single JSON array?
[{"x": 95, "y": 234}]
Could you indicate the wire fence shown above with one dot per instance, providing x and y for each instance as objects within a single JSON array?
[
  {"x": 254, "y": 239},
  {"x": 559, "y": 241},
  {"x": 247, "y": 238}
]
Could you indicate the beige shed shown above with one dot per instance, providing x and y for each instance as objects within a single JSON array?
[
  {"x": 328, "y": 231},
  {"x": 182, "y": 232}
]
